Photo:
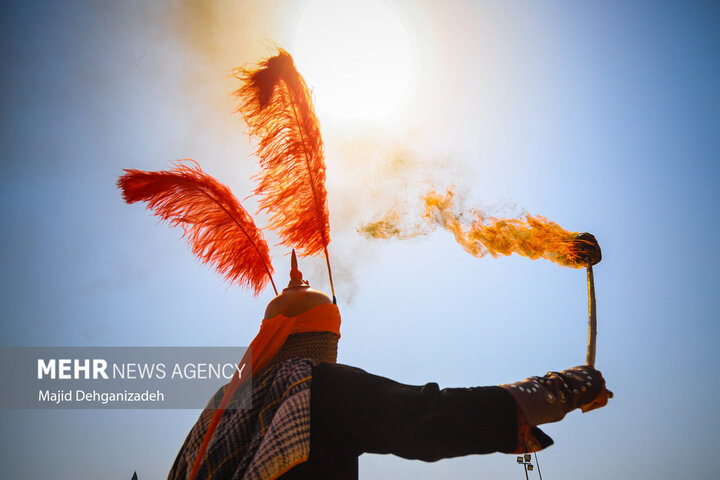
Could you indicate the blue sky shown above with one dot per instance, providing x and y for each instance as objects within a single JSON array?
[{"x": 600, "y": 116}]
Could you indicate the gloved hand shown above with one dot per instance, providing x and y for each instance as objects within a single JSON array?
[{"x": 547, "y": 399}]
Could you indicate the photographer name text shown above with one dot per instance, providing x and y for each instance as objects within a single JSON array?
[{"x": 93, "y": 396}]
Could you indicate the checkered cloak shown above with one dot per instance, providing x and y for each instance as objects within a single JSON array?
[{"x": 259, "y": 443}]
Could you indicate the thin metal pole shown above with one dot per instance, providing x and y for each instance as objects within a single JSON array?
[
  {"x": 526, "y": 475},
  {"x": 592, "y": 332},
  {"x": 538, "y": 465}
]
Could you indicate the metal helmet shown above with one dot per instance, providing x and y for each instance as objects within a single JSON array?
[{"x": 298, "y": 297}]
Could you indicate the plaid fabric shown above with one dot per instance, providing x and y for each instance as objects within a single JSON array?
[{"x": 260, "y": 443}]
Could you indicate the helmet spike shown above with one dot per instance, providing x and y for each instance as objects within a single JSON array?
[
  {"x": 297, "y": 297},
  {"x": 296, "y": 276}
]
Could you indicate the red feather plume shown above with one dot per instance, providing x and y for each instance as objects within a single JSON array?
[
  {"x": 276, "y": 104},
  {"x": 219, "y": 230}
]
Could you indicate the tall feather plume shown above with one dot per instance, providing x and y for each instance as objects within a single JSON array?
[
  {"x": 219, "y": 230},
  {"x": 276, "y": 104}
]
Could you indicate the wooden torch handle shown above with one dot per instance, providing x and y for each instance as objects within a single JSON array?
[{"x": 592, "y": 333}]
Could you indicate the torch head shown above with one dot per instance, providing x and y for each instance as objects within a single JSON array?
[{"x": 586, "y": 247}]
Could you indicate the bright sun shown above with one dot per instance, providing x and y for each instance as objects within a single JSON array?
[{"x": 356, "y": 57}]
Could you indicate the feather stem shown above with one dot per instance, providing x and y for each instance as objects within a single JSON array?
[
  {"x": 267, "y": 269},
  {"x": 332, "y": 287},
  {"x": 318, "y": 207}
]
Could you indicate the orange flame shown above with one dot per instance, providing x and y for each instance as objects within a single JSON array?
[
  {"x": 392, "y": 225},
  {"x": 478, "y": 234},
  {"x": 533, "y": 237}
]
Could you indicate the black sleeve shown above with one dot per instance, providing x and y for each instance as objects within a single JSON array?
[{"x": 357, "y": 412}]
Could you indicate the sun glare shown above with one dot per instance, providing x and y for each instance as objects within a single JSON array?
[{"x": 356, "y": 57}]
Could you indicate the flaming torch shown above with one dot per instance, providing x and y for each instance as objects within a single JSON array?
[{"x": 478, "y": 234}]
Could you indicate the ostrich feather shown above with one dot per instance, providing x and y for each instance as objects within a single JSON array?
[
  {"x": 276, "y": 105},
  {"x": 219, "y": 230}
]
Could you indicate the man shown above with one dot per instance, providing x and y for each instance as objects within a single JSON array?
[{"x": 311, "y": 418}]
